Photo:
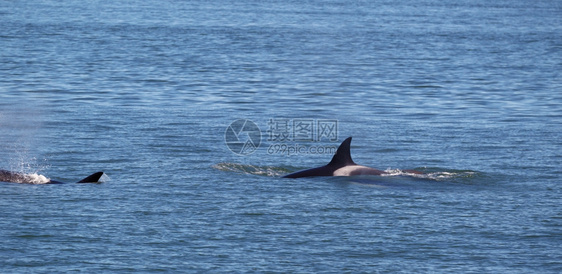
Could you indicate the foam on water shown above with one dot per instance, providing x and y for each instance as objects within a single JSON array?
[
  {"x": 434, "y": 175},
  {"x": 34, "y": 178}
]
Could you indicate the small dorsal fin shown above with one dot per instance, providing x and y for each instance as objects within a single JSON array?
[
  {"x": 94, "y": 178},
  {"x": 343, "y": 155}
]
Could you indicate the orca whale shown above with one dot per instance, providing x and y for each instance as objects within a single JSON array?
[
  {"x": 17, "y": 177},
  {"x": 341, "y": 165}
]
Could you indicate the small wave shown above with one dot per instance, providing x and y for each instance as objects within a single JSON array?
[
  {"x": 444, "y": 175},
  {"x": 104, "y": 178},
  {"x": 399, "y": 172},
  {"x": 432, "y": 174},
  {"x": 447, "y": 175},
  {"x": 250, "y": 169}
]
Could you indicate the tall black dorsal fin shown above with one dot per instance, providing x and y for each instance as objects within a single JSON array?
[{"x": 343, "y": 155}]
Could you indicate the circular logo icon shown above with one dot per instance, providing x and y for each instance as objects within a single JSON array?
[{"x": 242, "y": 137}]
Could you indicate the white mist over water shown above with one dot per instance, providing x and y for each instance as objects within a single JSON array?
[{"x": 20, "y": 128}]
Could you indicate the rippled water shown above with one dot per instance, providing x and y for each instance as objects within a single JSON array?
[{"x": 467, "y": 92}]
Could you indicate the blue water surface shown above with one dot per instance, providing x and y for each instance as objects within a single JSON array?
[{"x": 468, "y": 92}]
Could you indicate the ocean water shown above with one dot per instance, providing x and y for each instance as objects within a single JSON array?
[{"x": 195, "y": 109}]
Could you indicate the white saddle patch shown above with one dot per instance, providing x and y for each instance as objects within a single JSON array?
[{"x": 355, "y": 170}]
